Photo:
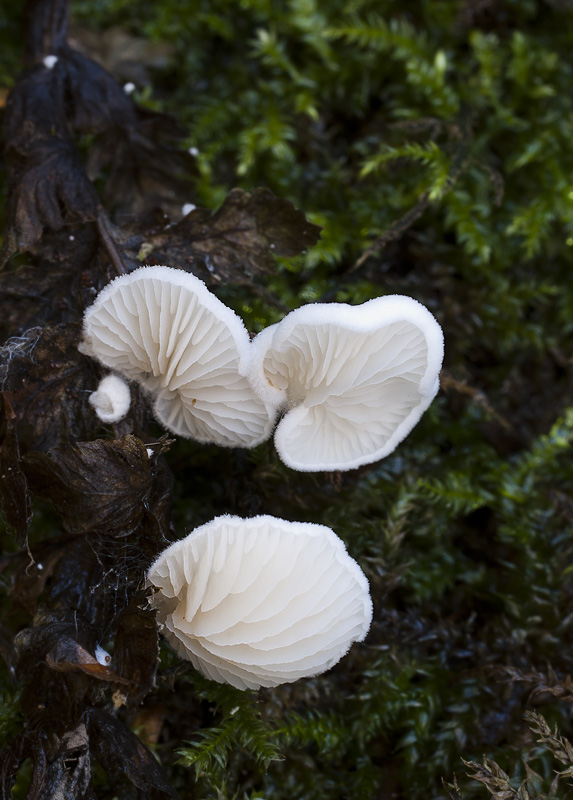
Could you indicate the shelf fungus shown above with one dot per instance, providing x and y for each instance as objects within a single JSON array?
[
  {"x": 163, "y": 328},
  {"x": 260, "y": 602},
  {"x": 111, "y": 400},
  {"x": 352, "y": 380}
]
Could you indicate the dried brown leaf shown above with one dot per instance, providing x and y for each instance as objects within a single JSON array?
[
  {"x": 30, "y": 577},
  {"x": 56, "y": 696},
  {"x": 48, "y": 383},
  {"x": 120, "y": 752},
  {"x": 532, "y": 786},
  {"x": 557, "y": 744},
  {"x": 237, "y": 241},
  {"x": 30, "y": 744},
  {"x": 452, "y": 789},
  {"x": 136, "y": 647},
  {"x": 68, "y": 655},
  {"x": 101, "y": 485},
  {"x": 92, "y": 580},
  {"x": 52, "y": 192},
  {"x": 68, "y": 771},
  {"x": 47, "y": 183},
  {"x": 493, "y": 777},
  {"x": 57, "y": 289},
  {"x": 549, "y": 684}
]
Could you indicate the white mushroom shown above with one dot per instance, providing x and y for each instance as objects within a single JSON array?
[
  {"x": 260, "y": 602},
  {"x": 164, "y": 328},
  {"x": 353, "y": 380},
  {"x": 102, "y": 656},
  {"x": 112, "y": 398}
]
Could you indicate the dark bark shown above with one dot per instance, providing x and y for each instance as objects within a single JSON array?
[{"x": 81, "y": 585}]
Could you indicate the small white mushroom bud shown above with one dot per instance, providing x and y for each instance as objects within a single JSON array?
[
  {"x": 102, "y": 656},
  {"x": 112, "y": 399}
]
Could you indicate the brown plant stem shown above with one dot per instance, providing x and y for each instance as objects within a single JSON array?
[{"x": 108, "y": 241}]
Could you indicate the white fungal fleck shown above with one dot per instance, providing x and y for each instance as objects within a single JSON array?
[
  {"x": 72, "y": 238},
  {"x": 50, "y": 61},
  {"x": 194, "y": 151},
  {"x": 129, "y": 87},
  {"x": 149, "y": 452},
  {"x": 102, "y": 656},
  {"x": 188, "y": 208}
]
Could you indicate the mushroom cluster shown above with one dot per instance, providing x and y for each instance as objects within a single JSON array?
[
  {"x": 260, "y": 602},
  {"x": 353, "y": 380},
  {"x": 163, "y": 328}
]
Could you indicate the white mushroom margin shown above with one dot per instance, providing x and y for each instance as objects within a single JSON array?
[
  {"x": 353, "y": 380},
  {"x": 260, "y": 602},
  {"x": 163, "y": 328}
]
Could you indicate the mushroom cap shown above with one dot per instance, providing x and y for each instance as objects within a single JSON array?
[
  {"x": 262, "y": 601},
  {"x": 163, "y": 328},
  {"x": 354, "y": 380},
  {"x": 112, "y": 399}
]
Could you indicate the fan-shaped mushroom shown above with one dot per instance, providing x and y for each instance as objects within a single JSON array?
[
  {"x": 354, "y": 380},
  {"x": 262, "y": 601},
  {"x": 163, "y": 328}
]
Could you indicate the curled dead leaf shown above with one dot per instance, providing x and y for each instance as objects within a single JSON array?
[
  {"x": 48, "y": 382},
  {"x": 120, "y": 752},
  {"x": 237, "y": 241},
  {"x": 101, "y": 485},
  {"x": 67, "y": 655}
]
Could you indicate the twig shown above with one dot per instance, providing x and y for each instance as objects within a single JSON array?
[
  {"x": 109, "y": 242},
  {"x": 449, "y": 383},
  {"x": 400, "y": 226},
  {"x": 395, "y": 230}
]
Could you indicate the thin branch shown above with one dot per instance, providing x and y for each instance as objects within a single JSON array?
[
  {"x": 108, "y": 241},
  {"x": 449, "y": 383},
  {"x": 400, "y": 226},
  {"x": 395, "y": 230}
]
